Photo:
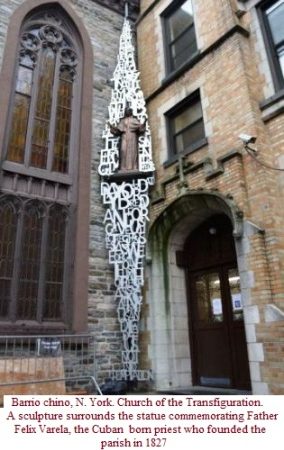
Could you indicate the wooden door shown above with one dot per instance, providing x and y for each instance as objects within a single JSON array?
[{"x": 218, "y": 343}]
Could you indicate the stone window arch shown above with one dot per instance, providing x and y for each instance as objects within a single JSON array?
[{"x": 46, "y": 85}]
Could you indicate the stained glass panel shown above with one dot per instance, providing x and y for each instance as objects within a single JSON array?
[
  {"x": 40, "y": 143},
  {"x": 24, "y": 81},
  {"x": 43, "y": 110},
  {"x": 30, "y": 265},
  {"x": 8, "y": 224},
  {"x": 17, "y": 141},
  {"x": 63, "y": 123},
  {"x": 27, "y": 61},
  {"x": 55, "y": 265}
]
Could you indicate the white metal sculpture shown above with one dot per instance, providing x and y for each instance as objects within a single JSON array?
[
  {"x": 126, "y": 198},
  {"x": 126, "y": 90}
]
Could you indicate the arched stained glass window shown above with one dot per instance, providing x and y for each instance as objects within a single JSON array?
[
  {"x": 40, "y": 127},
  {"x": 46, "y": 98}
]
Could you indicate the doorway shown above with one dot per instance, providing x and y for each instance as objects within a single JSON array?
[{"x": 216, "y": 323}]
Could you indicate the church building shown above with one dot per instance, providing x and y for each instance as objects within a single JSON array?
[{"x": 209, "y": 102}]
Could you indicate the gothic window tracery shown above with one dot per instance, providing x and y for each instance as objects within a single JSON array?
[{"x": 40, "y": 127}]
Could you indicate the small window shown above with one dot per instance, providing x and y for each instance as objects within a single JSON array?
[
  {"x": 186, "y": 126},
  {"x": 179, "y": 34},
  {"x": 272, "y": 17}
]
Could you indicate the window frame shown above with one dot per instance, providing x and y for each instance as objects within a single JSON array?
[
  {"x": 276, "y": 72},
  {"x": 165, "y": 16},
  {"x": 185, "y": 104}
]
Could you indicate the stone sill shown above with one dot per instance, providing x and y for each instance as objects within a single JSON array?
[
  {"x": 273, "y": 106},
  {"x": 192, "y": 148},
  {"x": 273, "y": 314}
]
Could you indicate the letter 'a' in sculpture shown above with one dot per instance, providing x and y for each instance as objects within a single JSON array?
[{"x": 126, "y": 168}]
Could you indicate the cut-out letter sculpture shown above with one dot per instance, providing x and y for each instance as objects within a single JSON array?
[{"x": 126, "y": 168}]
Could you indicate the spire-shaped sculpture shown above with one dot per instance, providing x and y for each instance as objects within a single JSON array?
[
  {"x": 126, "y": 168},
  {"x": 126, "y": 91}
]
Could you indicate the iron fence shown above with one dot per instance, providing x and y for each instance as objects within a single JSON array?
[{"x": 67, "y": 361}]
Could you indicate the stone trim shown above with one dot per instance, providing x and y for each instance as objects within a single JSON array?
[
  {"x": 273, "y": 106},
  {"x": 273, "y": 314}
]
